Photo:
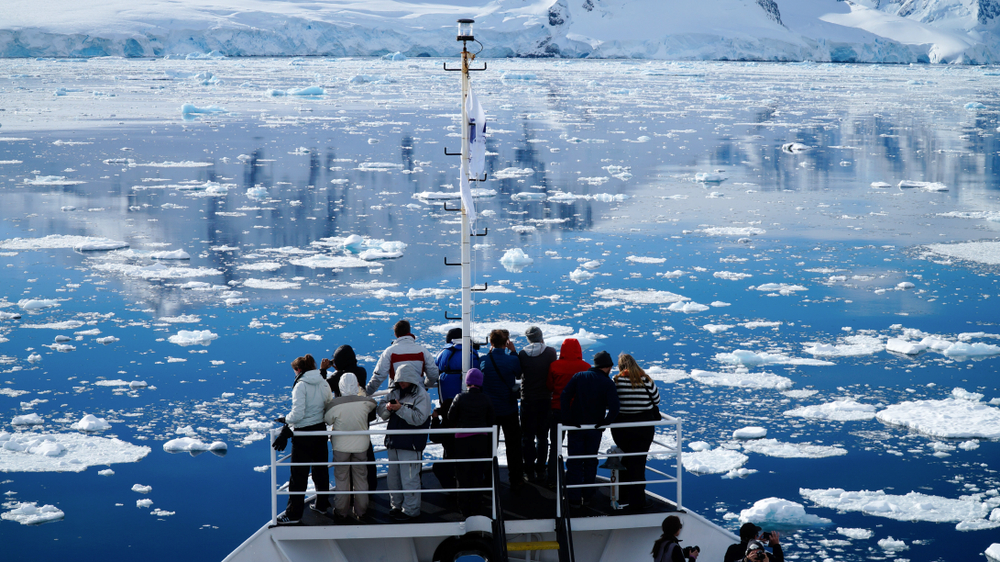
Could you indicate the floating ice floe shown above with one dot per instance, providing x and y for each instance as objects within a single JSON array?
[
  {"x": 585, "y": 338},
  {"x": 170, "y": 255},
  {"x": 750, "y": 359},
  {"x": 515, "y": 260},
  {"x": 948, "y": 348},
  {"x": 64, "y": 325},
  {"x": 326, "y": 261},
  {"x": 777, "y": 513},
  {"x": 775, "y": 448},
  {"x": 717, "y": 328},
  {"x": 969, "y": 512},
  {"x": 192, "y": 445},
  {"x": 58, "y": 241},
  {"x": 156, "y": 271},
  {"x": 142, "y": 489},
  {"x": 579, "y": 275},
  {"x": 687, "y": 307},
  {"x": 794, "y": 147},
  {"x": 742, "y": 379},
  {"x": 925, "y": 185},
  {"x": 857, "y": 534},
  {"x": 849, "y": 346},
  {"x": 949, "y": 418},
  {"x": 28, "y": 513},
  {"x": 993, "y": 552},
  {"x": 143, "y": 503},
  {"x": 51, "y": 180},
  {"x": 257, "y": 192},
  {"x": 780, "y": 288},
  {"x": 481, "y": 329},
  {"x": 90, "y": 422},
  {"x": 70, "y": 452},
  {"x": 731, "y": 276},
  {"x": 751, "y": 432},
  {"x": 27, "y": 419},
  {"x": 272, "y": 284},
  {"x": 714, "y": 461},
  {"x": 717, "y": 176},
  {"x": 185, "y": 338},
  {"x": 191, "y": 109},
  {"x": 983, "y": 251},
  {"x": 845, "y": 409},
  {"x": 649, "y": 296},
  {"x": 732, "y": 231}
]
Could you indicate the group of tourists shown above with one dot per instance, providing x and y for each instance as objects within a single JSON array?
[
  {"x": 525, "y": 394},
  {"x": 754, "y": 545}
]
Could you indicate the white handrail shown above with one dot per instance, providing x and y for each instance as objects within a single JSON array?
[
  {"x": 674, "y": 451},
  {"x": 282, "y": 490}
]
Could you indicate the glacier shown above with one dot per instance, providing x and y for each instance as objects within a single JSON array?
[{"x": 873, "y": 31}]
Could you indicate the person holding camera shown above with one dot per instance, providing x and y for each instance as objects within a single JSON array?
[
  {"x": 749, "y": 533},
  {"x": 407, "y": 406},
  {"x": 501, "y": 371}
]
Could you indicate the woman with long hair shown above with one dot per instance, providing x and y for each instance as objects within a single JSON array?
[
  {"x": 667, "y": 548},
  {"x": 639, "y": 401}
]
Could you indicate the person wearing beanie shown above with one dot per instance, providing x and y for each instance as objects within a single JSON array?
[
  {"x": 536, "y": 398},
  {"x": 589, "y": 398},
  {"x": 472, "y": 410}
]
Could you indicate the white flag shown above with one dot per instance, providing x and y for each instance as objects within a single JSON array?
[
  {"x": 476, "y": 151},
  {"x": 477, "y": 135}
]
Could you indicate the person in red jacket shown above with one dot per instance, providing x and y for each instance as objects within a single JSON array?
[{"x": 570, "y": 362}]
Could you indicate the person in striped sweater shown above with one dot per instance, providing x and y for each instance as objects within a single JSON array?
[{"x": 639, "y": 401}]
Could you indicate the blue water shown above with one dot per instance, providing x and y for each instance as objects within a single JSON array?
[{"x": 661, "y": 122}]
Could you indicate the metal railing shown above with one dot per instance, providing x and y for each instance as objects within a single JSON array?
[
  {"x": 666, "y": 449},
  {"x": 284, "y": 460}
]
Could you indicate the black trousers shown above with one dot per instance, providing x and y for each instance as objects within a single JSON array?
[
  {"x": 633, "y": 440},
  {"x": 511, "y": 429},
  {"x": 473, "y": 474},
  {"x": 308, "y": 449},
  {"x": 535, "y": 434}
]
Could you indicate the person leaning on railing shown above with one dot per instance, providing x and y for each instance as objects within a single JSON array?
[
  {"x": 473, "y": 410},
  {"x": 639, "y": 398}
]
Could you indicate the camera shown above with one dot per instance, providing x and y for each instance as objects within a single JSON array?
[
  {"x": 765, "y": 536},
  {"x": 394, "y": 401}
]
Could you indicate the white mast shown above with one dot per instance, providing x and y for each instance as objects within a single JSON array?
[{"x": 465, "y": 35}]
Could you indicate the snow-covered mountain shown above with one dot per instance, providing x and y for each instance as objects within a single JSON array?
[{"x": 936, "y": 31}]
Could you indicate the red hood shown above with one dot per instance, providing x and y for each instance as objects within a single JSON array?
[{"x": 571, "y": 349}]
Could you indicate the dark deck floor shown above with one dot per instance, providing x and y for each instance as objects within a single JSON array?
[{"x": 533, "y": 501}]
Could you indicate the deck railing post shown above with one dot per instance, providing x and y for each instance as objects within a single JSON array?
[
  {"x": 274, "y": 479},
  {"x": 680, "y": 465}
]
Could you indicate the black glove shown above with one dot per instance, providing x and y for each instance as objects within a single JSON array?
[
  {"x": 281, "y": 441},
  {"x": 280, "y": 420},
  {"x": 601, "y": 425}
]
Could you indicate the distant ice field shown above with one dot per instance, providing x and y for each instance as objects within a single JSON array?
[{"x": 822, "y": 319}]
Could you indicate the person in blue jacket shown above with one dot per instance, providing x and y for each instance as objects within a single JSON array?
[
  {"x": 590, "y": 398},
  {"x": 449, "y": 364},
  {"x": 501, "y": 371}
]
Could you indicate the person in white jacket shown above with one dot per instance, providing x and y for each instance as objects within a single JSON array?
[
  {"x": 350, "y": 412},
  {"x": 404, "y": 351},
  {"x": 310, "y": 396},
  {"x": 407, "y": 406}
]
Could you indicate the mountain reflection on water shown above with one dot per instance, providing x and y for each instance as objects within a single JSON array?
[{"x": 593, "y": 170}]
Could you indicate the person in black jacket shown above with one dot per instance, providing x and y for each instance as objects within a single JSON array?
[
  {"x": 748, "y": 533},
  {"x": 536, "y": 398},
  {"x": 589, "y": 398},
  {"x": 345, "y": 361},
  {"x": 472, "y": 409}
]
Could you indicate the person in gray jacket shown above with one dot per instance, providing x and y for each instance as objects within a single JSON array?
[
  {"x": 349, "y": 412},
  {"x": 407, "y": 406},
  {"x": 310, "y": 396}
]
